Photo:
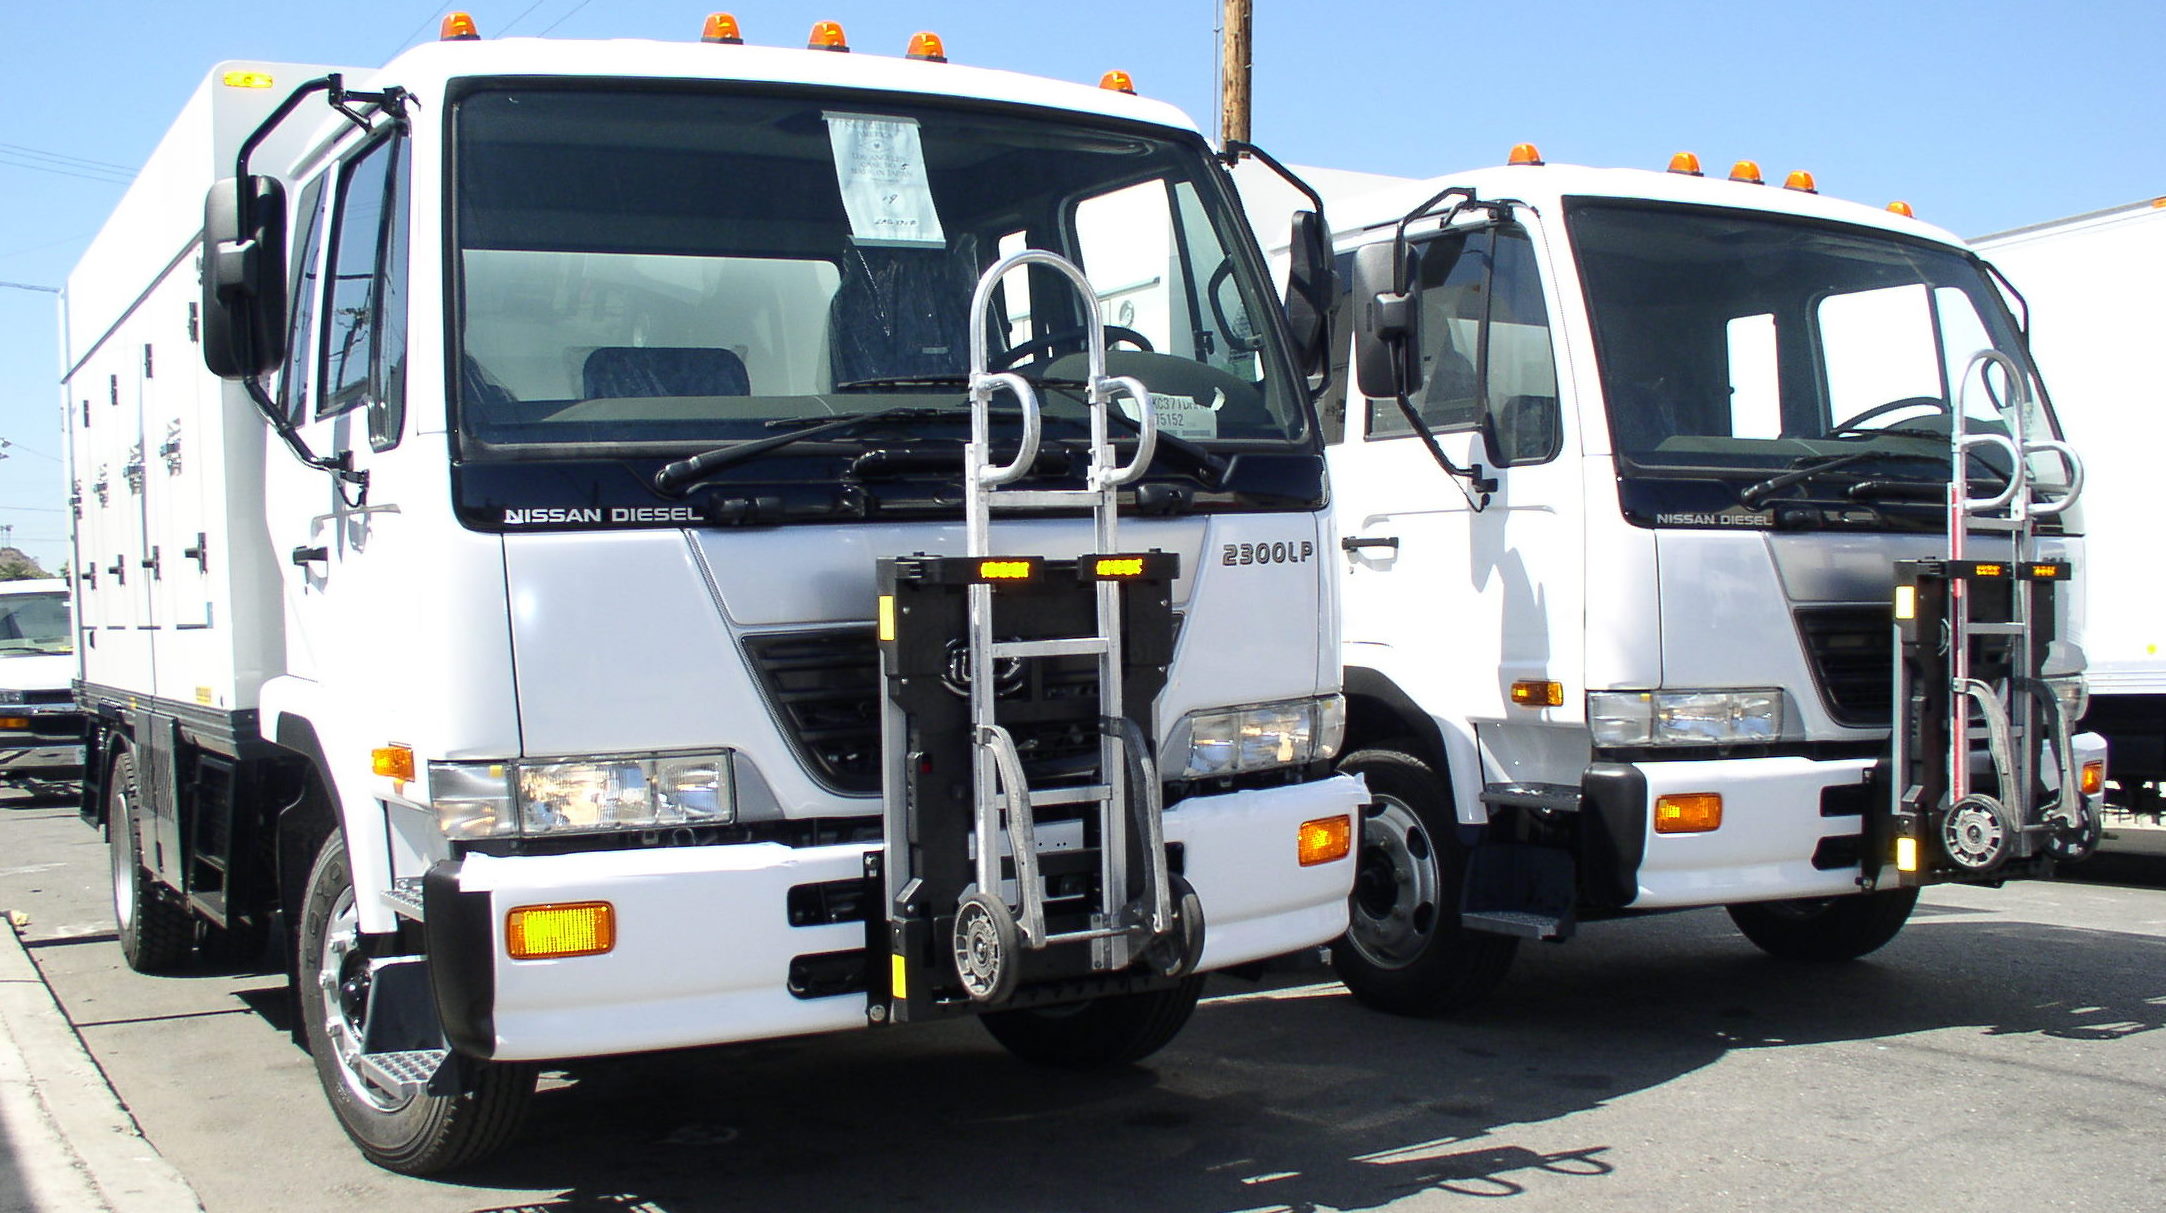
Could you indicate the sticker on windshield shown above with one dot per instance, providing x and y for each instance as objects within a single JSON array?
[
  {"x": 1181, "y": 416},
  {"x": 880, "y": 167}
]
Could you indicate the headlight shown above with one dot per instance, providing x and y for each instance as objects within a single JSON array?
[
  {"x": 1257, "y": 737},
  {"x": 1642, "y": 718},
  {"x": 11, "y": 697},
  {"x": 497, "y": 800}
]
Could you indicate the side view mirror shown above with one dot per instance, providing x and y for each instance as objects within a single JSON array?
[
  {"x": 1387, "y": 322},
  {"x": 1309, "y": 289},
  {"x": 244, "y": 276}
]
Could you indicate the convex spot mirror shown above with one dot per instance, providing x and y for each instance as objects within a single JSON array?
[
  {"x": 1309, "y": 290},
  {"x": 1387, "y": 321},
  {"x": 244, "y": 276}
]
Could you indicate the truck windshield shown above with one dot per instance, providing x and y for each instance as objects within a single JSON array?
[
  {"x": 675, "y": 269},
  {"x": 35, "y": 623},
  {"x": 1734, "y": 342}
]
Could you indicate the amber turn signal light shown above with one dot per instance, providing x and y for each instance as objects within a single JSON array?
[{"x": 1324, "y": 839}]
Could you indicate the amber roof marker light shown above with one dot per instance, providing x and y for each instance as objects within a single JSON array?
[
  {"x": 1524, "y": 153},
  {"x": 722, "y": 28},
  {"x": 925, "y": 45},
  {"x": 1747, "y": 171},
  {"x": 1802, "y": 182},
  {"x": 1118, "y": 81},
  {"x": 827, "y": 36},
  {"x": 457, "y": 27},
  {"x": 1686, "y": 163}
]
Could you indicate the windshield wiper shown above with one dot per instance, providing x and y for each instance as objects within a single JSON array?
[
  {"x": 1754, "y": 494},
  {"x": 961, "y": 381},
  {"x": 674, "y": 478}
]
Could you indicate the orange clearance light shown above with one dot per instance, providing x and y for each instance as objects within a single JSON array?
[
  {"x": 1524, "y": 153},
  {"x": 14, "y": 722},
  {"x": 247, "y": 80},
  {"x": 1324, "y": 839},
  {"x": 2094, "y": 778},
  {"x": 1534, "y": 693},
  {"x": 926, "y": 45},
  {"x": 1004, "y": 570},
  {"x": 582, "y": 928},
  {"x": 1118, "y": 81},
  {"x": 1686, "y": 163},
  {"x": 1800, "y": 180},
  {"x": 1118, "y": 566},
  {"x": 1747, "y": 171},
  {"x": 1902, "y": 208},
  {"x": 1688, "y": 813},
  {"x": 396, "y": 761},
  {"x": 722, "y": 27},
  {"x": 827, "y": 36},
  {"x": 457, "y": 27}
]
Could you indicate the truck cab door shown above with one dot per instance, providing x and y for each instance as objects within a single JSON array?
[
  {"x": 344, "y": 390},
  {"x": 1458, "y": 590}
]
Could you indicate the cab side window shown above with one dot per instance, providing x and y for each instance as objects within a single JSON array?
[
  {"x": 1486, "y": 350},
  {"x": 364, "y": 327}
]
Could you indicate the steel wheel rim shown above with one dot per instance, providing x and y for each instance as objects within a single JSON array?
[
  {"x": 1394, "y": 911},
  {"x": 342, "y": 977},
  {"x": 121, "y": 853}
]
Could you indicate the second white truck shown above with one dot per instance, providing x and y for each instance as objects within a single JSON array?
[{"x": 1659, "y": 589}]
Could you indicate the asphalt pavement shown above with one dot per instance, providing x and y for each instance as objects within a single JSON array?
[{"x": 2006, "y": 1051}]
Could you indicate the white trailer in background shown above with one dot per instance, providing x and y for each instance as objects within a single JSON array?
[
  {"x": 1652, "y": 599},
  {"x": 2094, "y": 287},
  {"x": 621, "y": 546}
]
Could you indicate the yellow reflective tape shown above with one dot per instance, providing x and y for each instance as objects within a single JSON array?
[
  {"x": 887, "y": 616},
  {"x": 1906, "y": 602},
  {"x": 899, "y": 977},
  {"x": 1906, "y": 854}
]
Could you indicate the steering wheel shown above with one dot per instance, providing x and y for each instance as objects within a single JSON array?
[
  {"x": 1042, "y": 347},
  {"x": 1857, "y": 423}
]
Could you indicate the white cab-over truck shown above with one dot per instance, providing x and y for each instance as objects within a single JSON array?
[
  {"x": 620, "y": 546},
  {"x": 1651, "y": 595},
  {"x": 2094, "y": 289},
  {"x": 41, "y": 729}
]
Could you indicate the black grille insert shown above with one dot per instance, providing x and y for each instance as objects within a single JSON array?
[
  {"x": 825, "y": 687},
  {"x": 1852, "y": 651}
]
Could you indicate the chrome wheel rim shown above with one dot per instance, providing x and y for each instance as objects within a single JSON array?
[
  {"x": 121, "y": 853},
  {"x": 342, "y": 975},
  {"x": 1394, "y": 911}
]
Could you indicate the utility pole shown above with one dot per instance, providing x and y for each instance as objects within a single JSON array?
[{"x": 1233, "y": 75}]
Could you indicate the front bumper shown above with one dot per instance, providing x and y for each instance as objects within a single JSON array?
[
  {"x": 40, "y": 742},
  {"x": 705, "y": 943},
  {"x": 1791, "y": 827}
]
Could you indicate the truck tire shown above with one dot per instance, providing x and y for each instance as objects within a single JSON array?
[
  {"x": 1404, "y": 951},
  {"x": 1111, "y": 1031},
  {"x": 155, "y": 933},
  {"x": 1825, "y": 928},
  {"x": 410, "y": 1133}
]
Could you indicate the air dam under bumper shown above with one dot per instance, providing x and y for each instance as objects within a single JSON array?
[{"x": 704, "y": 941}]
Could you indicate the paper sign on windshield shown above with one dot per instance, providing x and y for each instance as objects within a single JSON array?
[
  {"x": 880, "y": 165},
  {"x": 1180, "y": 416}
]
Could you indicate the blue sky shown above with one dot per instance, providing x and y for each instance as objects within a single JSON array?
[{"x": 1985, "y": 115}]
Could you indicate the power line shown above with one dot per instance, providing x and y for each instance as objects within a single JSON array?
[
  {"x": 566, "y": 17},
  {"x": 96, "y": 175},
  {"x": 416, "y": 31},
  {"x": 64, "y": 158},
  {"x": 506, "y": 31}
]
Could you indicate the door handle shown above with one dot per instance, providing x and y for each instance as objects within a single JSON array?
[
  {"x": 1355, "y": 543},
  {"x": 305, "y": 556}
]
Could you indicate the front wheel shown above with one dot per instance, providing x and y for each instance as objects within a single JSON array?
[
  {"x": 1404, "y": 950},
  {"x": 1111, "y": 1031},
  {"x": 411, "y": 1132},
  {"x": 1825, "y": 928}
]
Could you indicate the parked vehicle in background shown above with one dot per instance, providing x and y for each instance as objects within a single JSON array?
[
  {"x": 1652, "y": 599},
  {"x": 41, "y": 730},
  {"x": 2093, "y": 289},
  {"x": 620, "y": 546}
]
